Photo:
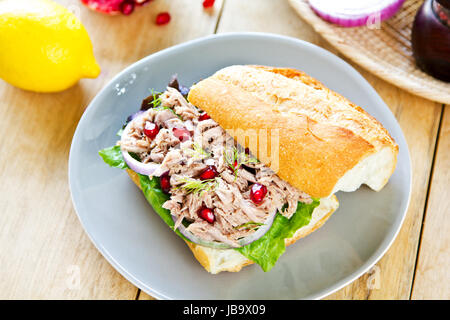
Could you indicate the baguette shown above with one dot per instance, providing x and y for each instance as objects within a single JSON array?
[{"x": 326, "y": 143}]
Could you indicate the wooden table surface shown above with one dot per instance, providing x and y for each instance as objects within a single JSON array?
[{"x": 44, "y": 251}]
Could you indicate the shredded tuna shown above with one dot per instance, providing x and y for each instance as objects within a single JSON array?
[{"x": 229, "y": 194}]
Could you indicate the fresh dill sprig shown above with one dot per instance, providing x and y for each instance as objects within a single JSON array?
[
  {"x": 191, "y": 185},
  {"x": 161, "y": 108},
  {"x": 197, "y": 152},
  {"x": 249, "y": 225},
  {"x": 156, "y": 101},
  {"x": 235, "y": 159}
]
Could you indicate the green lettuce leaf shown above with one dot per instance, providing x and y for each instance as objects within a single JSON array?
[
  {"x": 265, "y": 251},
  {"x": 150, "y": 187},
  {"x": 113, "y": 156},
  {"x": 156, "y": 197}
]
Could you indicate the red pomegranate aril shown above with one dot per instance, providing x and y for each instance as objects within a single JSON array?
[
  {"x": 209, "y": 173},
  {"x": 257, "y": 193},
  {"x": 151, "y": 130},
  {"x": 204, "y": 116},
  {"x": 208, "y": 3},
  {"x": 127, "y": 7},
  {"x": 113, "y": 7},
  {"x": 162, "y": 18},
  {"x": 207, "y": 214},
  {"x": 164, "y": 181},
  {"x": 182, "y": 134}
]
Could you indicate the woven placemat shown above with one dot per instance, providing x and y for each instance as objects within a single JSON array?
[{"x": 384, "y": 51}]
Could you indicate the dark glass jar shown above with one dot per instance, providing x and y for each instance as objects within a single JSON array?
[{"x": 431, "y": 38}]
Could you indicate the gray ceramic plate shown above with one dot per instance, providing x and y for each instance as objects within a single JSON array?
[{"x": 144, "y": 250}]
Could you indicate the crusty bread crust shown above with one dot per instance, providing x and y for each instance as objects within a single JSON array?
[
  {"x": 218, "y": 260},
  {"x": 322, "y": 135}
]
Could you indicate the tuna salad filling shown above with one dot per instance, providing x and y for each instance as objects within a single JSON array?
[{"x": 218, "y": 191}]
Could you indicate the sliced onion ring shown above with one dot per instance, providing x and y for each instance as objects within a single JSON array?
[
  {"x": 354, "y": 13},
  {"x": 220, "y": 245},
  {"x": 147, "y": 169}
]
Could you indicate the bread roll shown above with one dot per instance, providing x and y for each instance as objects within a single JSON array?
[{"x": 326, "y": 143}]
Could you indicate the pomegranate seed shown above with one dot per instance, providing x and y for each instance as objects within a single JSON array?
[
  {"x": 127, "y": 7},
  {"x": 204, "y": 116},
  {"x": 108, "y": 7},
  {"x": 206, "y": 214},
  {"x": 151, "y": 130},
  {"x": 182, "y": 134},
  {"x": 162, "y": 18},
  {"x": 209, "y": 173},
  {"x": 257, "y": 193},
  {"x": 208, "y": 3},
  {"x": 164, "y": 181}
]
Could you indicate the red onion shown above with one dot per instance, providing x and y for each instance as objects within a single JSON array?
[
  {"x": 353, "y": 13},
  {"x": 134, "y": 115},
  {"x": 220, "y": 245},
  {"x": 147, "y": 169}
]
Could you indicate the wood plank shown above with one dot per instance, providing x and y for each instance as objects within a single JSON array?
[
  {"x": 45, "y": 252},
  {"x": 145, "y": 296},
  {"x": 418, "y": 118},
  {"x": 265, "y": 16},
  {"x": 432, "y": 280}
]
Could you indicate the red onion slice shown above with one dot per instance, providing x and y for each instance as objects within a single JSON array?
[
  {"x": 260, "y": 232},
  {"x": 353, "y": 13},
  {"x": 147, "y": 169},
  {"x": 220, "y": 245}
]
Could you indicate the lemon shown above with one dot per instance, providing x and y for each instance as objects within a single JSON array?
[{"x": 43, "y": 46}]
